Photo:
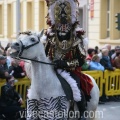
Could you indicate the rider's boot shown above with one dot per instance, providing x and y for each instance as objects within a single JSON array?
[{"x": 82, "y": 106}]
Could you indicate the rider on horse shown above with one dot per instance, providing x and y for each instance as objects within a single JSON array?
[{"x": 65, "y": 43}]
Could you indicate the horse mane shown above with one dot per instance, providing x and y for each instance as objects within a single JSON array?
[{"x": 25, "y": 33}]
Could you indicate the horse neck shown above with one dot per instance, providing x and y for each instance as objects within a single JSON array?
[
  {"x": 45, "y": 79},
  {"x": 40, "y": 70}
]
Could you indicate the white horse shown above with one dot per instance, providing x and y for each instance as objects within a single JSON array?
[{"x": 44, "y": 83}]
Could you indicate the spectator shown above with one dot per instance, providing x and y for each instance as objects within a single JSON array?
[
  {"x": 112, "y": 51},
  {"x": 22, "y": 64},
  {"x": 95, "y": 65},
  {"x": 91, "y": 52},
  {"x": 9, "y": 59},
  {"x": 85, "y": 66},
  {"x": 117, "y": 60},
  {"x": 10, "y": 99},
  {"x": 105, "y": 61},
  {"x": 96, "y": 50},
  {"x": 117, "y": 49},
  {"x": 3, "y": 67},
  {"x": 106, "y": 46},
  {"x": 16, "y": 70}
]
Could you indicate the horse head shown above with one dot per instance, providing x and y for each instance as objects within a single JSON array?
[{"x": 27, "y": 45}]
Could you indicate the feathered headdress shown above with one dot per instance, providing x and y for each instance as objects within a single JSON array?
[{"x": 51, "y": 10}]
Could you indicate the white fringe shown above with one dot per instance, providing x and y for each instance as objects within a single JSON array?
[{"x": 73, "y": 84}]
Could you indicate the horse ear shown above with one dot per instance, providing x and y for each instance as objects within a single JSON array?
[{"x": 40, "y": 34}]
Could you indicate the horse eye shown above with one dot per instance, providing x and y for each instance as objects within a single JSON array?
[{"x": 32, "y": 39}]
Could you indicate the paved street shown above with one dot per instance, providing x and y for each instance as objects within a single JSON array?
[{"x": 111, "y": 111}]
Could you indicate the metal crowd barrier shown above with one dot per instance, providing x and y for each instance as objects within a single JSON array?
[
  {"x": 112, "y": 82},
  {"x": 98, "y": 76},
  {"x": 109, "y": 79},
  {"x": 21, "y": 87}
]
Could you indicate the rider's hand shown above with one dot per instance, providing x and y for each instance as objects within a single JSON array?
[{"x": 60, "y": 64}]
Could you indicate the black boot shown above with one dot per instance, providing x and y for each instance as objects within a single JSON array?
[
  {"x": 83, "y": 103},
  {"x": 82, "y": 106}
]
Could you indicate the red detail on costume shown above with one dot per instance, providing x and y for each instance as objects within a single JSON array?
[
  {"x": 80, "y": 32},
  {"x": 68, "y": 56},
  {"x": 85, "y": 82},
  {"x": 50, "y": 54}
]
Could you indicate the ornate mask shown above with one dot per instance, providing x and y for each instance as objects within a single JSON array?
[{"x": 63, "y": 25}]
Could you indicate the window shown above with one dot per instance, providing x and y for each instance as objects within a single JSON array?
[
  {"x": 107, "y": 20},
  {"x": 104, "y": 19}
]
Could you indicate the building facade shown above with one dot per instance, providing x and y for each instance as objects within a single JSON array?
[
  {"x": 102, "y": 27},
  {"x": 97, "y": 18},
  {"x": 32, "y": 17}
]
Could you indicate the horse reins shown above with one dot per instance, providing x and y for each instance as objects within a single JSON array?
[{"x": 34, "y": 60}]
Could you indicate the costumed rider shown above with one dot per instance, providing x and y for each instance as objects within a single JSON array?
[{"x": 64, "y": 41}]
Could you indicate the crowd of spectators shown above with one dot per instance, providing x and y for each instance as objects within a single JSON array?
[
  {"x": 10, "y": 66},
  {"x": 102, "y": 59}
]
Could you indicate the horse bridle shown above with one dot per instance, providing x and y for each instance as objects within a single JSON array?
[{"x": 27, "y": 47}]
